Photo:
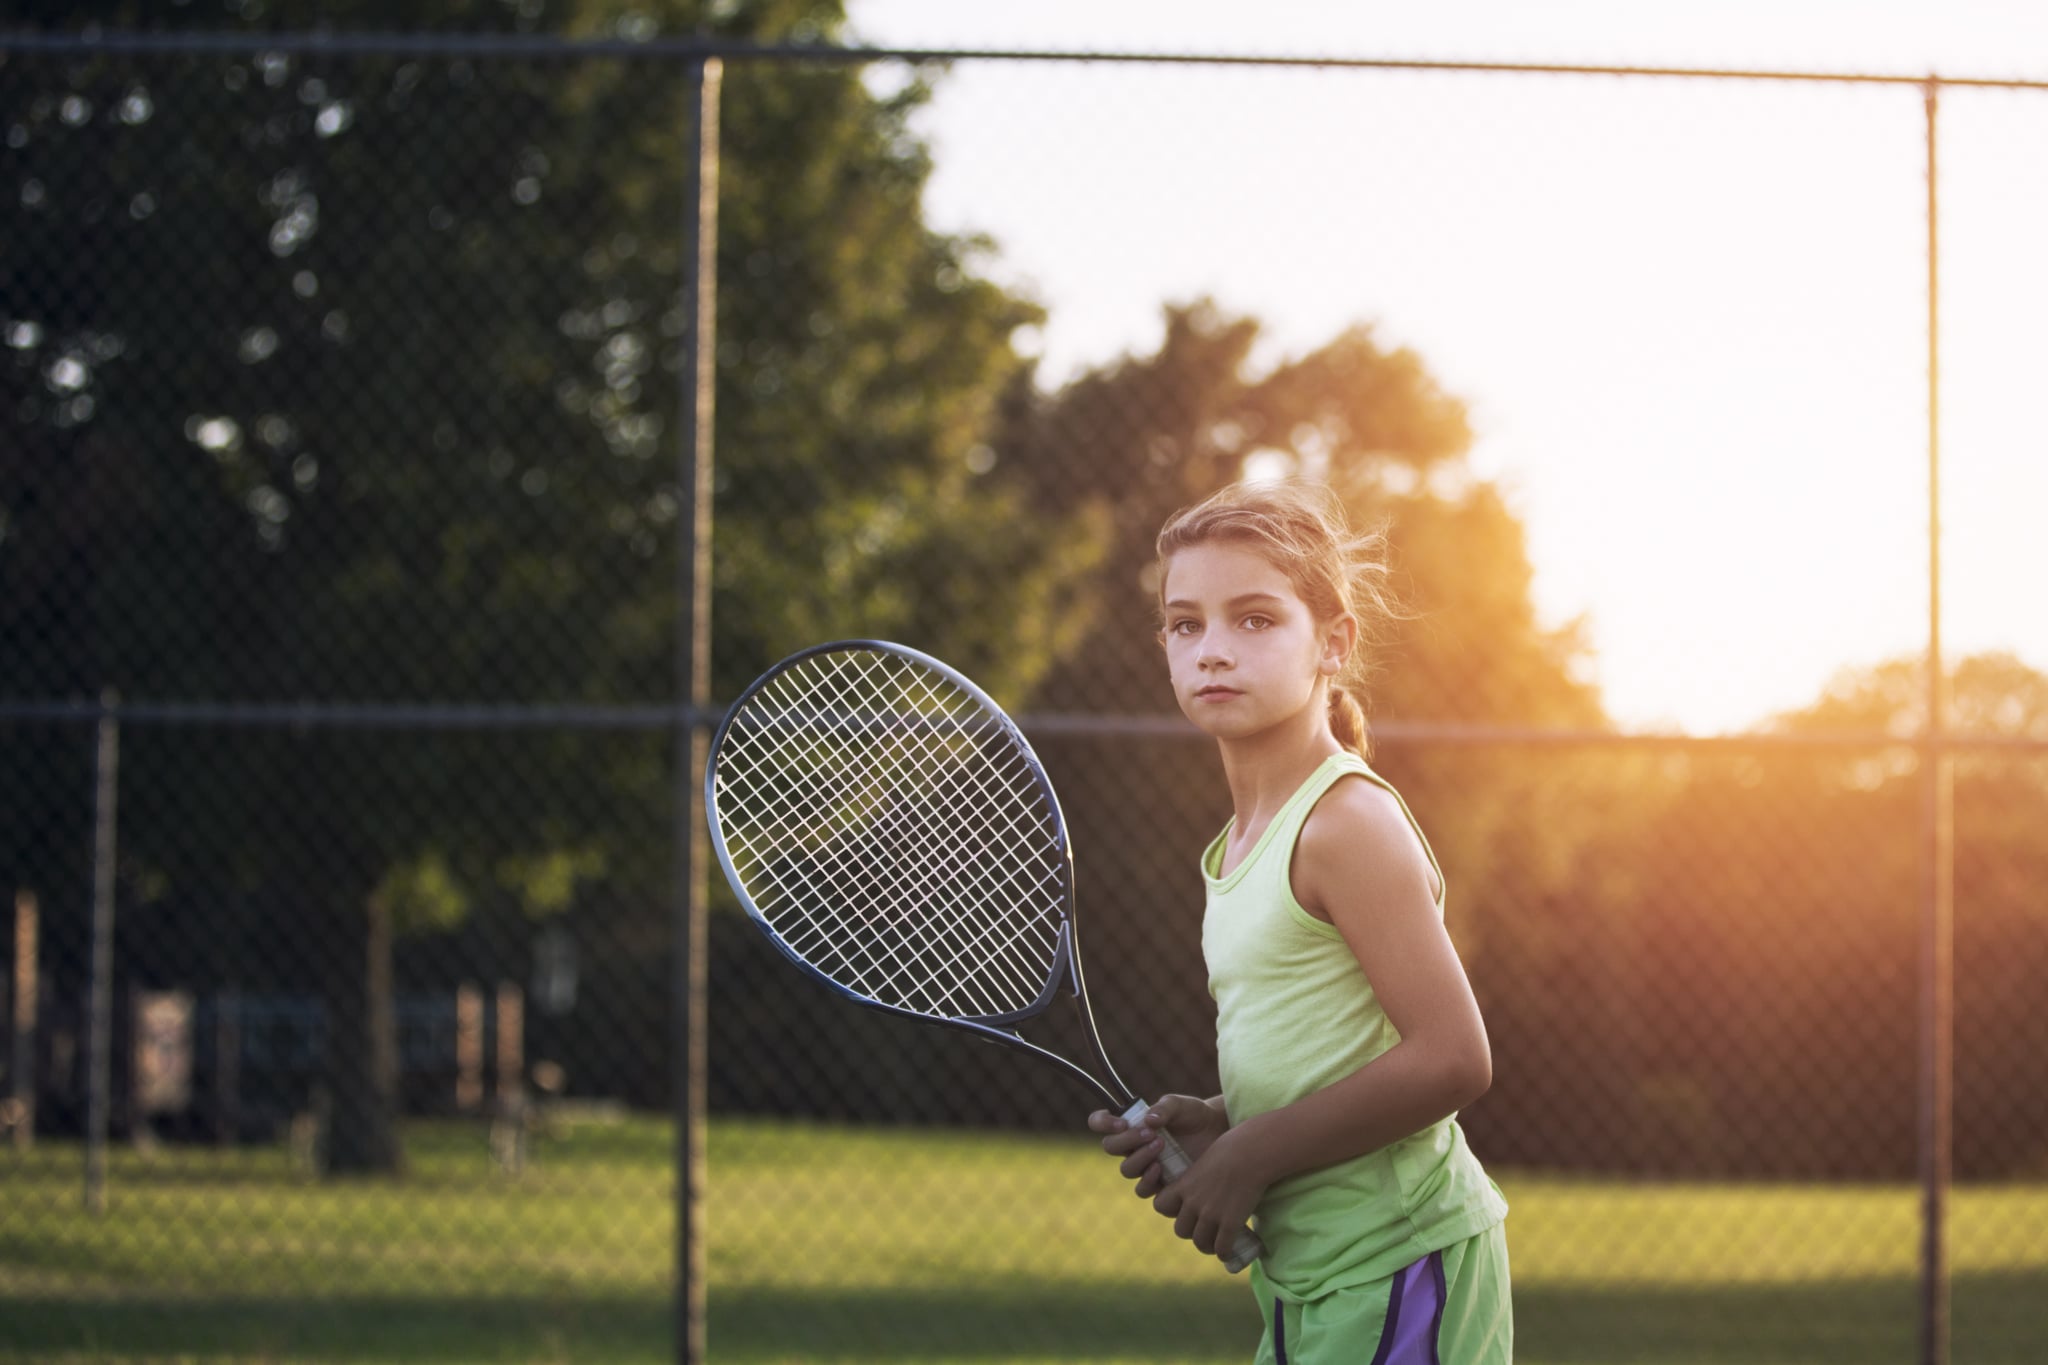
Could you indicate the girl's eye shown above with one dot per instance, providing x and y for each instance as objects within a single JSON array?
[
  {"x": 1182, "y": 627},
  {"x": 1257, "y": 622}
]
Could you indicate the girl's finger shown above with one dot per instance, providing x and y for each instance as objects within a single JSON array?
[{"x": 1142, "y": 1160}]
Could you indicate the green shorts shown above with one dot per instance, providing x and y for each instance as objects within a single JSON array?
[{"x": 1450, "y": 1308}]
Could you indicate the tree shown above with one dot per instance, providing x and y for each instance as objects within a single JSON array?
[
  {"x": 351, "y": 381},
  {"x": 1727, "y": 900},
  {"x": 1998, "y": 706}
]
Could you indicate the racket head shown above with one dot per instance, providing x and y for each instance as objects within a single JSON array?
[{"x": 888, "y": 827}]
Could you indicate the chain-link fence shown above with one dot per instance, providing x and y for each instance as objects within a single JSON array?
[{"x": 342, "y": 489}]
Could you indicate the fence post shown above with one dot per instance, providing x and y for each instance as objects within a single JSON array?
[
  {"x": 1937, "y": 857},
  {"x": 510, "y": 1013},
  {"x": 469, "y": 1047},
  {"x": 23, "y": 1062},
  {"x": 693, "y": 680},
  {"x": 99, "y": 1099}
]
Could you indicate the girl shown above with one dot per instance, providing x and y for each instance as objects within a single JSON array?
[{"x": 1347, "y": 1035}]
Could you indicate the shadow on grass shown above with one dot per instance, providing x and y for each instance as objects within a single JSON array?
[
  {"x": 1998, "y": 1320},
  {"x": 395, "y": 1330}
]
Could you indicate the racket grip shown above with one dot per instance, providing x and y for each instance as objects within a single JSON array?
[{"x": 1173, "y": 1164}]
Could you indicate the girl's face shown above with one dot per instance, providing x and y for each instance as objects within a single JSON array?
[{"x": 1244, "y": 651}]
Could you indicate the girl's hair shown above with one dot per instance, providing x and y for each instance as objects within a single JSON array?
[{"x": 1301, "y": 529}]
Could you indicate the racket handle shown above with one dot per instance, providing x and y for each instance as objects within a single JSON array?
[{"x": 1173, "y": 1164}]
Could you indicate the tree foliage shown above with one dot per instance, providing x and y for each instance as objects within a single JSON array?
[
  {"x": 355, "y": 381},
  {"x": 1736, "y": 955}
]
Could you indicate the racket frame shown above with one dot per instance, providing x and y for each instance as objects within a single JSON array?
[{"x": 1066, "y": 965}]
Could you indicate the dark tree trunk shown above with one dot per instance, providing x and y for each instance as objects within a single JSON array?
[{"x": 362, "y": 1049}]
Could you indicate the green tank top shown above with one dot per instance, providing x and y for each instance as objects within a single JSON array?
[{"x": 1294, "y": 1014}]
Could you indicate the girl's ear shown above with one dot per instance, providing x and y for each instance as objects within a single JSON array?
[{"x": 1338, "y": 643}]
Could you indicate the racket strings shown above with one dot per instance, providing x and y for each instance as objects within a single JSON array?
[
  {"x": 864, "y": 877},
  {"x": 960, "y": 943},
  {"x": 943, "y": 967},
  {"x": 891, "y": 832},
  {"x": 961, "y": 960},
  {"x": 814, "y": 797}
]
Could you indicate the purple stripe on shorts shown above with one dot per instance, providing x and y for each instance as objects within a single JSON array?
[{"x": 1415, "y": 1313}]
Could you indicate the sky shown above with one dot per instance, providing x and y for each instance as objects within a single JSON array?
[{"x": 1689, "y": 318}]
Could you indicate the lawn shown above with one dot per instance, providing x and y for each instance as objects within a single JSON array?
[{"x": 865, "y": 1245}]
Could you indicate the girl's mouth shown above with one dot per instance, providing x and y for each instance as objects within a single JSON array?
[{"x": 1216, "y": 693}]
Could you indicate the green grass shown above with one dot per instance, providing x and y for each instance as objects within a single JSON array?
[{"x": 865, "y": 1245}]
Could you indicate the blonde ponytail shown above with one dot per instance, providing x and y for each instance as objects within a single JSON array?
[{"x": 1347, "y": 721}]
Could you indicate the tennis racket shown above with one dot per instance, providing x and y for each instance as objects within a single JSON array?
[{"x": 892, "y": 832}]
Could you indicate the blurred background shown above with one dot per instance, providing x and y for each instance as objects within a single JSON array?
[{"x": 341, "y": 439}]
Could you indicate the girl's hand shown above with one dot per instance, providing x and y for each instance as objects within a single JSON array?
[
  {"x": 1216, "y": 1197},
  {"x": 1194, "y": 1123}
]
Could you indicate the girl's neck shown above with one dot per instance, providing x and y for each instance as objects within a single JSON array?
[{"x": 1264, "y": 770}]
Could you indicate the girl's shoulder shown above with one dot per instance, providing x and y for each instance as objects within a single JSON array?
[
  {"x": 1358, "y": 807},
  {"x": 1361, "y": 833}
]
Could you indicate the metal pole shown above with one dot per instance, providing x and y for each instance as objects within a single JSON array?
[
  {"x": 1937, "y": 829},
  {"x": 693, "y": 681},
  {"x": 99, "y": 1083}
]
